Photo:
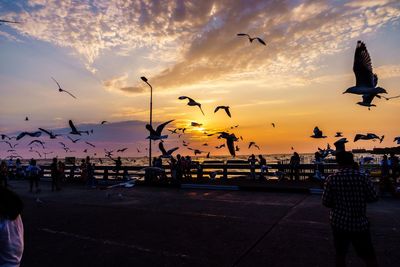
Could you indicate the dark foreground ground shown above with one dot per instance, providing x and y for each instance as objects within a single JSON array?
[{"x": 172, "y": 227}]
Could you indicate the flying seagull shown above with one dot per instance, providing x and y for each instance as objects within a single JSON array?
[
  {"x": 273, "y": 124},
  {"x": 195, "y": 151},
  {"x": 339, "y": 134},
  {"x": 226, "y": 108},
  {"x": 23, "y": 134},
  {"x": 191, "y": 102},
  {"x": 368, "y": 136},
  {"x": 26, "y": 119},
  {"x": 90, "y": 144},
  {"x": 74, "y": 130},
  {"x": 253, "y": 144},
  {"x": 156, "y": 134},
  {"x": 72, "y": 140},
  {"x": 37, "y": 141},
  {"x": 220, "y": 146},
  {"x": 195, "y": 124},
  {"x": 103, "y": 122},
  {"x": 50, "y": 133},
  {"x": 62, "y": 90},
  {"x": 122, "y": 149},
  {"x": 317, "y": 133},
  {"x": 366, "y": 80},
  {"x": 397, "y": 139},
  {"x": 166, "y": 153},
  {"x": 230, "y": 141},
  {"x": 251, "y": 39}
]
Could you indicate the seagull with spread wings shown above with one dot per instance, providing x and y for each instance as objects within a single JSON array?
[
  {"x": 230, "y": 141},
  {"x": 37, "y": 141},
  {"x": 62, "y": 90},
  {"x": 251, "y": 39},
  {"x": 50, "y": 133},
  {"x": 23, "y": 134},
  {"x": 90, "y": 144},
  {"x": 74, "y": 130},
  {"x": 366, "y": 80},
  {"x": 226, "y": 108},
  {"x": 156, "y": 134},
  {"x": 339, "y": 134},
  {"x": 191, "y": 102},
  {"x": 166, "y": 153},
  {"x": 253, "y": 144},
  {"x": 317, "y": 133},
  {"x": 72, "y": 140},
  {"x": 368, "y": 136},
  {"x": 122, "y": 150}
]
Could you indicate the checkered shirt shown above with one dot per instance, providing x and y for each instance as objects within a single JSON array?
[{"x": 347, "y": 193}]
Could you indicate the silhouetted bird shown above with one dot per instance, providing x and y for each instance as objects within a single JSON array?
[
  {"x": 251, "y": 39},
  {"x": 195, "y": 124},
  {"x": 220, "y": 146},
  {"x": 62, "y": 90},
  {"x": 166, "y": 153},
  {"x": 156, "y": 134},
  {"x": 50, "y": 133},
  {"x": 122, "y": 150},
  {"x": 37, "y": 142},
  {"x": 273, "y": 125},
  {"x": 26, "y": 119},
  {"x": 317, "y": 133},
  {"x": 23, "y": 134},
  {"x": 208, "y": 155},
  {"x": 230, "y": 141},
  {"x": 340, "y": 144},
  {"x": 74, "y": 130},
  {"x": 226, "y": 108},
  {"x": 195, "y": 151},
  {"x": 253, "y": 144},
  {"x": 397, "y": 139},
  {"x": 90, "y": 144},
  {"x": 339, "y": 134},
  {"x": 368, "y": 136},
  {"x": 72, "y": 140},
  {"x": 103, "y": 122},
  {"x": 366, "y": 80},
  {"x": 191, "y": 102}
]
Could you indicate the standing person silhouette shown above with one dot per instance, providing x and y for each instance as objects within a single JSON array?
[
  {"x": 294, "y": 166},
  {"x": 347, "y": 193}
]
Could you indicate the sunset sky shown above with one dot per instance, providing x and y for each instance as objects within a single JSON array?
[{"x": 99, "y": 49}]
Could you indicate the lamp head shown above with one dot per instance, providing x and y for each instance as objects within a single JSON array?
[{"x": 144, "y": 79}]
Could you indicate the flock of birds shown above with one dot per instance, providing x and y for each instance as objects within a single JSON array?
[{"x": 366, "y": 86}]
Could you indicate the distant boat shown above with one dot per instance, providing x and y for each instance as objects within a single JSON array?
[{"x": 386, "y": 150}]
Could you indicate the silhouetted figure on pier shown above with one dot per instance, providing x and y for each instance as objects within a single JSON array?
[
  {"x": 394, "y": 165},
  {"x": 54, "y": 175},
  {"x": 263, "y": 166},
  {"x": 33, "y": 172},
  {"x": 3, "y": 173},
  {"x": 294, "y": 166},
  {"x": 252, "y": 161},
  {"x": 118, "y": 166},
  {"x": 347, "y": 193}
]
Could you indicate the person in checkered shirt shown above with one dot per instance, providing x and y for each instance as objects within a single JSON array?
[{"x": 347, "y": 193}]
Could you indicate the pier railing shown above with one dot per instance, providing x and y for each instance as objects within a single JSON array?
[{"x": 220, "y": 169}]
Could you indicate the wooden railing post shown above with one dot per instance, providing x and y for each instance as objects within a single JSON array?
[
  {"x": 105, "y": 175},
  {"x": 225, "y": 172}
]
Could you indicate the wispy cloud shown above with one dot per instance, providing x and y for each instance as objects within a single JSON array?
[{"x": 197, "y": 40}]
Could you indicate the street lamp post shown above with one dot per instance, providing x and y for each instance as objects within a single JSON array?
[{"x": 151, "y": 112}]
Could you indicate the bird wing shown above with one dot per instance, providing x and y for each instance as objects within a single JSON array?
[
  {"x": 261, "y": 41},
  {"x": 367, "y": 99},
  {"x": 103, "y": 122},
  {"x": 172, "y": 150},
  {"x": 185, "y": 97},
  {"x": 45, "y": 131},
  {"x": 59, "y": 87},
  {"x": 316, "y": 131},
  {"x": 216, "y": 109},
  {"x": 201, "y": 109},
  {"x": 21, "y": 135},
  {"x": 358, "y": 137},
  {"x": 162, "y": 149},
  {"x": 228, "y": 112},
  {"x": 243, "y": 34},
  {"x": 68, "y": 93},
  {"x": 150, "y": 129},
  {"x": 362, "y": 66},
  {"x": 231, "y": 146},
  {"x": 90, "y": 144},
  {"x": 161, "y": 127},
  {"x": 73, "y": 128}
]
